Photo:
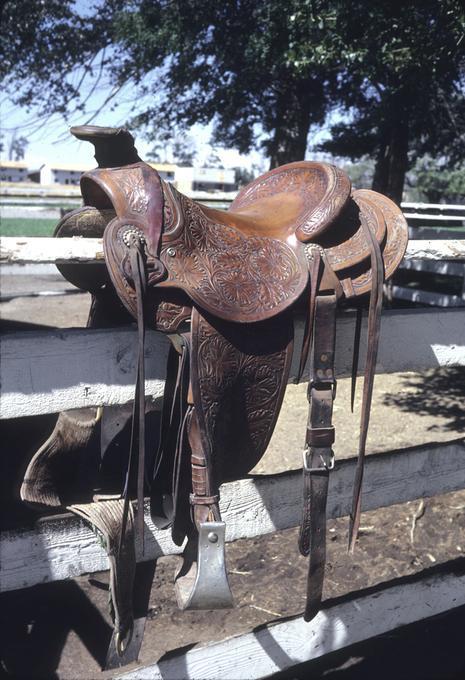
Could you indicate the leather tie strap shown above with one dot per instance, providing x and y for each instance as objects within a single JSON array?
[
  {"x": 355, "y": 356},
  {"x": 318, "y": 454},
  {"x": 140, "y": 282},
  {"x": 315, "y": 270},
  {"x": 374, "y": 324}
]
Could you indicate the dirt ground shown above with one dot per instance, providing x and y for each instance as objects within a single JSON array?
[{"x": 60, "y": 630}]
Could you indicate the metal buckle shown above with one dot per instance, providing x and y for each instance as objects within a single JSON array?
[{"x": 326, "y": 467}]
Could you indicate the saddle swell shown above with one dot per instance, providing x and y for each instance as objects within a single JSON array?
[{"x": 226, "y": 286}]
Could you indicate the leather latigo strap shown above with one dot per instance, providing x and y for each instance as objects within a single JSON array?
[
  {"x": 318, "y": 454},
  {"x": 374, "y": 324},
  {"x": 373, "y": 228}
]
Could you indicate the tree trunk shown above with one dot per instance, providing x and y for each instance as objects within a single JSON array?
[
  {"x": 392, "y": 163},
  {"x": 292, "y": 124}
]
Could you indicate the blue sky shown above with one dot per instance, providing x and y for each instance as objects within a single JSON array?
[{"x": 51, "y": 141}]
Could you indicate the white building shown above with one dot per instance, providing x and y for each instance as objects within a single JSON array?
[
  {"x": 58, "y": 173},
  {"x": 204, "y": 179},
  {"x": 186, "y": 179},
  {"x": 13, "y": 171},
  {"x": 167, "y": 171}
]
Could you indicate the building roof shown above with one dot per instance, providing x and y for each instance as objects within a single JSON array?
[
  {"x": 69, "y": 167},
  {"x": 14, "y": 164},
  {"x": 163, "y": 167}
]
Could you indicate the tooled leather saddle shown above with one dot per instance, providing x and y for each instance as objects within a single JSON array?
[{"x": 225, "y": 286}]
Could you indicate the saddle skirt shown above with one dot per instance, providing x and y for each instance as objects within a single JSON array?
[{"x": 225, "y": 286}]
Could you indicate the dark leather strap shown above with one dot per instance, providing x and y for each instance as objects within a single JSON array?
[
  {"x": 374, "y": 324},
  {"x": 138, "y": 416},
  {"x": 168, "y": 458},
  {"x": 355, "y": 356},
  {"x": 318, "y": 454},
  {"x": 205, "y": 504},
  {"x": 315, "y": 269}
]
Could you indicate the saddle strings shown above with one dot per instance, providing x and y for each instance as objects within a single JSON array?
[
  {"x": 355, "y": 355},
  {"x": 140, "y": 283},
  {"x": 374, "y": 323},
  {"x": 315, "y": 271}
]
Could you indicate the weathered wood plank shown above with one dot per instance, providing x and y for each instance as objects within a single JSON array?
[
  {"x": 428, "y": 216},
  {"x": 78, "y": 249},
  {"x": 341, "y": 623},
  {"x": 427, "y": 297},
  {"x": 443, "y": 267},
  {"x": 436, "y": 249},
  {"x": 408, "y": 205},
  {"x": 49, "y": 371},
  {"x": 56, "y": 250},
  {"x": 63, "y": 547}
]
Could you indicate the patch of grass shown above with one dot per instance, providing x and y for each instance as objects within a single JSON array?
[{"x": 23, "y": 226}]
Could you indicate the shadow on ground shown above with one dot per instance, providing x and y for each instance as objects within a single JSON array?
[{"x": 439, "y": 393}]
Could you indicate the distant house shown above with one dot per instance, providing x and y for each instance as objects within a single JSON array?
[
  {"x": 204, "y": 179},
  {"x": 186, "y": 179},
  {"x": 167, "y": 171},
  {"x": 13, "y": 171},
  {"x": 58, "y": 173},
  {"x": 69, "y": 174}
]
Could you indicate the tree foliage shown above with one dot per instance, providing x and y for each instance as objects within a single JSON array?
[
  {"x": 437, "y": 183},
  {"x": 265, "y": 72},
  {"x": 403, "y": 83}
]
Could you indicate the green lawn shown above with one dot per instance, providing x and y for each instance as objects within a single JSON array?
[{"x": 23, "y": 226}]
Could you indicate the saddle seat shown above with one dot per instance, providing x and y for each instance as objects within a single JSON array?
[{"x": 299, "y": 200}]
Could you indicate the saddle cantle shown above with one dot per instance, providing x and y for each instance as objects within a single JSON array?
[{"x": 225, "y": 286}]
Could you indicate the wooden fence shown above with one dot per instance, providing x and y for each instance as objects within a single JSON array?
[
  {"x": 47, "y": 371},
  {"x": 433, "y": 221}
]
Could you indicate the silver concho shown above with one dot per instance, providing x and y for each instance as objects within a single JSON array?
[
  {"x": 130, "y": 234},
  {"x": 310, "y": 249}
]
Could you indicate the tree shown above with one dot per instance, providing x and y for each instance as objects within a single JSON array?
[
  {"x": 184, "y": 151},
  {"x": 402, "y": 84},
  {"x": 246, "y": 65},
  {"x": 254, "y": 67},
  {"x": 17, "y": 147},
  {"x": 436, "y": 183},
  {"x": 242, "y": 176},
  {"x": 265, "y": 72}
]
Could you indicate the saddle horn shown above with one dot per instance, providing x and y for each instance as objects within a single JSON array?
[{"x": 114, "y": 147}]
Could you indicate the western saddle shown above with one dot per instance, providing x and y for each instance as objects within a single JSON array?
[{"x": 226, "y": 287}]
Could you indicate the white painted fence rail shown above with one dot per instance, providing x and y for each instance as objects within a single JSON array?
[
  {"x": 64, "y": 547},
  {"x": 342, "y": 622},
  {"x": 49, "y": 371},
  {"x": 78, "y": 249},
  {"x": 44, "y": 372}
]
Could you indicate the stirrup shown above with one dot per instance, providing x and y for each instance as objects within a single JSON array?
[{"x": 202, "y": 583}]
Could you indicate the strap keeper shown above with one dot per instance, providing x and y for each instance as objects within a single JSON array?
[
  {"x": 203, "y": 500},
  {"x": 320, "y": 437},
  {"x": 320, "y": 386}
]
